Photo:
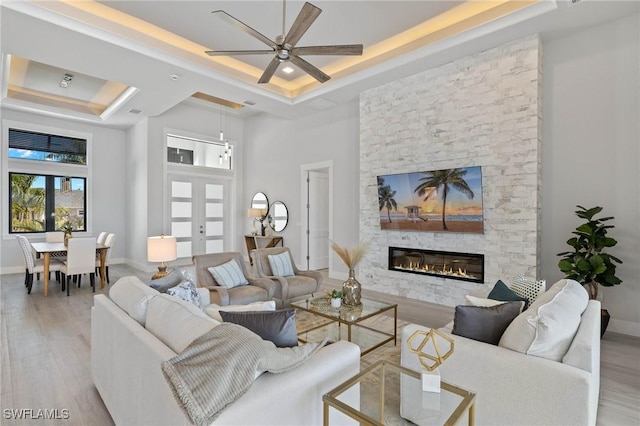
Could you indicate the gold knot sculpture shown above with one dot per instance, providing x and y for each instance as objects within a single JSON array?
[{"x": 430, "y": 336}]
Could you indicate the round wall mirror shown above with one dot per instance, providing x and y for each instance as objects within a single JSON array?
[
  {"x": 278, "y": 216},
  {"x": 260, "y": 201}
]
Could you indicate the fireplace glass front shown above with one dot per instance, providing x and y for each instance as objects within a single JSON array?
[{"x": 445, "y": 264}]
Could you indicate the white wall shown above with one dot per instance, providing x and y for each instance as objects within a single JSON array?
[
  {"x": 107, "y": 184},
  {"x": 590, "y": 151},
  {"x": 275, "y": 150}
]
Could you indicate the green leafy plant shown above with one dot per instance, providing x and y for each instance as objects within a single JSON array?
[
  {"x": 587, "y": 263},
  {"x": 335, "y": 294}
]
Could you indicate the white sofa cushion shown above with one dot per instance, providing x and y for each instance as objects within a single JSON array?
[
  {"x": 132, "y": 296},
  {"x": 176, "y": 322},
  {"x": 213, "y": 310},
  {"x": 547, "y": 328}
]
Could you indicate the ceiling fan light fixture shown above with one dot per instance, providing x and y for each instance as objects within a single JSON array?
[{"x": 287, "y": 70}]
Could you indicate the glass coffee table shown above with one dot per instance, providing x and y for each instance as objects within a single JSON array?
[
  {"x": 359, "y": 321},
  {"x": 389, "y": 394}
]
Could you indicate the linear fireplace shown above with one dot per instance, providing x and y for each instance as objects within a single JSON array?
[{"x": 445, "y": 264}]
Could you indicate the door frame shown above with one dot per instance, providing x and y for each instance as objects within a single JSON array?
[{"x": 324, "y": 166}]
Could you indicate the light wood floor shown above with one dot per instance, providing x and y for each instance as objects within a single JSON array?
[{"x": 45, "y": 353}]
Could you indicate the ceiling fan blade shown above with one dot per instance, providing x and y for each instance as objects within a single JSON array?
[
  {"x": 237, "y": 52},
  {"x": 244, "y": 27},
  {"x": 269, "y": 71},
  {"x": 345, "y": 49},
  {"x": 305, "y": 18},
  {"x": 309, "y": 69}
]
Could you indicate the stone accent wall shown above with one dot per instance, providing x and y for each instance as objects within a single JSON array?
[{"x": 481, "y": 110}]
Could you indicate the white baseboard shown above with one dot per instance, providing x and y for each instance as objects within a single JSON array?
[{"x": 624, "y": 327}]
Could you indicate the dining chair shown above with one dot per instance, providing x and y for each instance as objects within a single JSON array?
[
  {"x": 81, "y": 259},
  {"x": 109, "y": 241},
  {"x": 101, "y": 237},
  {"x": 33, "y": 265},
  {"x": 54, "y": 237}
]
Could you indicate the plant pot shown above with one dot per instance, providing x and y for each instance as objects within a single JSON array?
[
  {"x": 335, "y": 303},
  {"x": 604, "y": 321}
]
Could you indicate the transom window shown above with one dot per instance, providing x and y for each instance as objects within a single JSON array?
[
  {"x": 196, "y": 152},
  {"x": 28, "y": 145}
]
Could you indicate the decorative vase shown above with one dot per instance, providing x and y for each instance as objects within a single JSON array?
[
  {"x": 67, "y": 235},
  {"x": 336, "y": 302},
  {"x": 351, "y": 290}
]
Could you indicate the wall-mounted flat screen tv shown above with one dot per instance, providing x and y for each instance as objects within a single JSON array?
[{"x": 448, "y": 200}]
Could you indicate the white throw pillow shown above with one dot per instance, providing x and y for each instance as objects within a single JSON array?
[
  {"x": 281, "y": 264},
  {"x": 483, "y": 303},
  {"x": 176, "y": 322},
  {"x": 547, "y": 328},
  {"x": 213, "y": 310},
  {"x": 132, "y": 296},
  {"x": 527, "y": 287},
  {"x": 228, "y": 275}
]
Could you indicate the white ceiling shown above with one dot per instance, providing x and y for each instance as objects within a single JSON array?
[{"x": 143, "y": 43}]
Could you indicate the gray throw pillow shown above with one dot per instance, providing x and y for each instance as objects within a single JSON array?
[
  {"x": 170, "y": 280},
  {"x": 485, "y": 324},
  {"x": 277, "y": 326}
]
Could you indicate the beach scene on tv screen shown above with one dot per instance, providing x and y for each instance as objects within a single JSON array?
[{"x": 447, "y": 200}]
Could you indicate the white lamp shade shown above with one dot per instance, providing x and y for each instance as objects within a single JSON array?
[
  {"x": 256, "y": 213},
  {"x": 162, "y": 249}
]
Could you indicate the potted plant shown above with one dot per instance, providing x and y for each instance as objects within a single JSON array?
[
  {"x": 588, "y": 263},
  {"x": 336, "y": 298}
]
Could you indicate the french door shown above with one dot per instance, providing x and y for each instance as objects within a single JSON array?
[{"x": 198, "y": 214}]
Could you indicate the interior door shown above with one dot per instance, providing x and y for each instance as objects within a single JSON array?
[
  {"x": 198, "y": 213},
  {"x": 318, "y": 214}
]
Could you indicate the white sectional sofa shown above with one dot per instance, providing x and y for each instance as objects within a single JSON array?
[
  {"x": 130, "y": 339},
  {"x": 518, "y": 388}
]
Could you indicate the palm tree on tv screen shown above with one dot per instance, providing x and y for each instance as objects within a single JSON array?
[
  {"x": 445, "y": 179},
  {"x": 385, "y": 198}
]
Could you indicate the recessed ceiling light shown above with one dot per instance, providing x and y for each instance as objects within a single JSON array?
[
  {"x": 287, "y": 70},
  {"x": 66, "y": 80}
]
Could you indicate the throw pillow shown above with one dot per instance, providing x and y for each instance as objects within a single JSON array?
[
  {"x": 186, "y": 291},
  {"x": 213, "y": 310},
  {"x": 485, "y": 324},
  {"x": 176, "y": 322},
  {"x": 479, "y": 301},
  {"x": 501, "y": 292},
  {"x": 276, "y": 326},
  {"x": 528, "y": 287},
  {"x": 228, "y": 275},
  {"x": 281, "y": 264},
  {"x": 547, "y": 328},
  {"x": 172, "y": 279}
]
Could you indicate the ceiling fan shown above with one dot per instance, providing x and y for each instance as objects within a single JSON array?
[{"x": 284, "y": 46}]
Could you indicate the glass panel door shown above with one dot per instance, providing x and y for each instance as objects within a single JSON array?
[{"x": 197, "y": 214}]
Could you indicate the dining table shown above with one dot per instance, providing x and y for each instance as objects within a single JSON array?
[{"x": 47, "y": 250}]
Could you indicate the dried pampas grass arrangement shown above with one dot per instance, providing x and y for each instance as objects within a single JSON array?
[{"x": 351, "y": 257}]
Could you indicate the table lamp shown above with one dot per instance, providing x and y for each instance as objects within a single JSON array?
[
  {"x": 161, "y": 249},
  {"x": 258, "y": 215}
]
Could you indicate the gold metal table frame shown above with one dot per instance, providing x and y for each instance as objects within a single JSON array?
[
  {"x": 351, "y": 317},
  {"x": 467, "y": 403}
]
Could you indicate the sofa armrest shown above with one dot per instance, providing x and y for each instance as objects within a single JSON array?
[
  {"x": 264, "y": 283},
  {"x": 218, "y": 294},
  {"x": 312, "y": 274},
  {"x": 513, "y": 388}
]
